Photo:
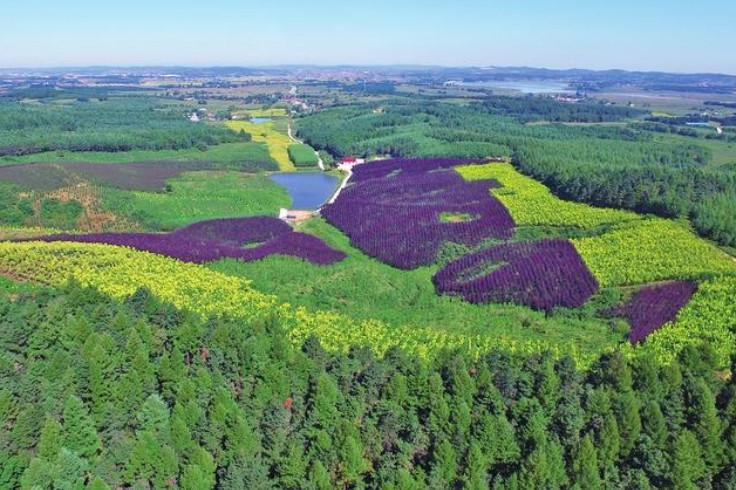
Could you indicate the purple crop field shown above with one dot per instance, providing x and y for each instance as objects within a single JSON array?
[
  {"x": 542, "y": 275},
  {"x": 392, "y": 210},
  {"x": 653, "y": 306},
  {"x": 212, "y": 240}
]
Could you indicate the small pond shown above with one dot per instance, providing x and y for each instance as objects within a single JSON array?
[
  {"x": 308, "y": 190},
  {"x": 260, "y": 120}
]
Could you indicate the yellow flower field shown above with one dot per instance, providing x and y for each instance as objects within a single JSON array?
[
  {"x": 651, "y": 250},
  {"x": 533, "y": 204},
  {"x": 277, "y": 142}
]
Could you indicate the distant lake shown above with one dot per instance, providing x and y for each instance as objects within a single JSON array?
[
  {"x": 307, "y": 190},
  {"x": 260, "y": 120},
  {"x": 525, "y": 86}
]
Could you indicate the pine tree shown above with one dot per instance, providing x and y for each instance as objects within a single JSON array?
[
  {"x": 628, "y": 418},
  {"x": 653, "y": 423},
  {"x": 687, "y": 462},
  {"x": 585, "y": 467},
  {"x": 476, "y": 476},
  {"x": 319, "y": 477},
  {"x": 98, "y": 484},
  {"x": 543, "y": 468},
  {"x": 444, "y": 468},
  {"x": 352, "y": 461},
  {"x": 704, "y": 422},
  {"x": 80, "y": 435},
  {"x": 246, "y": 472},
  {"x": 51, "y": 439}
]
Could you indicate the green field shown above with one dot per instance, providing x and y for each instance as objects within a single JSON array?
[
  {"x": 236, "y": 156},
  {"x": 303, "y": 155},
  {"x": 197, "y": 196}
]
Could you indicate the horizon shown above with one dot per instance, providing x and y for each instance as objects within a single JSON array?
[
  {"x": 405, "y": 66},
  {"x": 683, "y": 38}
]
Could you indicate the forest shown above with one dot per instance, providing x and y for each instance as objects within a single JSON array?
[
  {"x": 110, "y": 124},
  {"x": 102, "y": 393},
  {"x": 624, "y": 166}
]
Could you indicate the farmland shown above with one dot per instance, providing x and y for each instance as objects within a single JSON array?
[
  {"x": 277, "y": 142},
  {"x": 459, "y": 317}
]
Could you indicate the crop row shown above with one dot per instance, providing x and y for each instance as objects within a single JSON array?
[
  {"x": 208, "y": 241},
  {"x": 393, "y": 210},
  {"x": 531, "y": 203},
  {"x": 649, "y": 251},
  {"x": 542, "y": 275}
]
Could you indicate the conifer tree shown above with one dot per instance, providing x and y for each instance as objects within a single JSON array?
[{"x": 80, "y": 435}]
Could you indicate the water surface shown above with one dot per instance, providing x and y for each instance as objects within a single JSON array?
[
  {"x": 525, "y": 86},
  {"x": 308, "y": 190}
]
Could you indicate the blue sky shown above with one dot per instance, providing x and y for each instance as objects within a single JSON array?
[{"x": 670, "y": 35}]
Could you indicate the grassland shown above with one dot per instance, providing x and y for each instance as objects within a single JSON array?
[
  {"x": 277, "y": 142},
  {"x": 364, "y": 288},
  {"x": 198, "y": 196}
]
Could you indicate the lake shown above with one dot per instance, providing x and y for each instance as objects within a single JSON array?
[
  {"x": 525, "y": 86},
  {"x": 260, "y": 120},
  {"x": 307, "y": 190}
]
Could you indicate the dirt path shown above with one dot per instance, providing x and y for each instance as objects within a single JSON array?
[
  {"x": 339, "y": 189},
  {"x": 291, "y": 136}
]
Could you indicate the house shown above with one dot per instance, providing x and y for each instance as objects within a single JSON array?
[
  {"x": 352, "y": 161},
  {"x": 194, "y": 117}
]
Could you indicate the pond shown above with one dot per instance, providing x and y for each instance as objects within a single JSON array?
[
  {"x": 260, "y": 120},
  {"x": 307, "y": 190}
]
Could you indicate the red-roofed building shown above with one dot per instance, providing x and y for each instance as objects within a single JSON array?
[{"x": 352, "y": 160}]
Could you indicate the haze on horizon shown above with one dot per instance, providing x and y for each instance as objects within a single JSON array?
[{"x": 683, "y": 36}]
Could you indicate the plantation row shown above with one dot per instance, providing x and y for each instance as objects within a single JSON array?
[
  {"x": 417, "y": 194},
  {"x": 392, "y": 211},
  {"x": 208, "y": 241}
]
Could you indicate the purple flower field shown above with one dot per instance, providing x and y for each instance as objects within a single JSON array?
[
  {"x": 542, "y": 275},
  {"x": 653, "y": 306},
  {"x": 392, "y": 210},
  {"x": 208, "y": 241}
]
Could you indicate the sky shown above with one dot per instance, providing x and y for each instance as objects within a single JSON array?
[{"x": 666, "y": 35}]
